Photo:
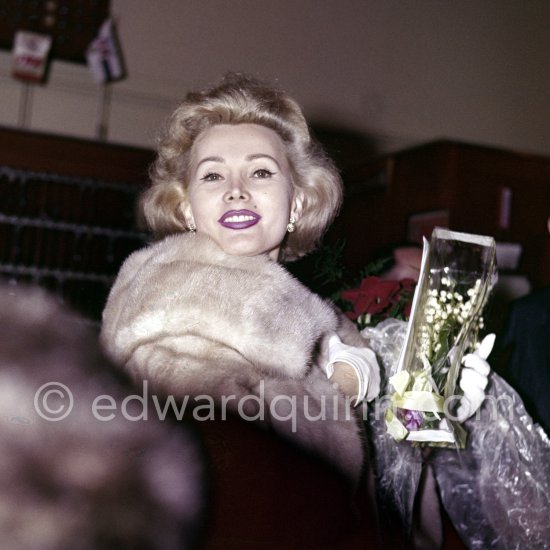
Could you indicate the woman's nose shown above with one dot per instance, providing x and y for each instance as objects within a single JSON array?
[{"x": 236, "y": 191}]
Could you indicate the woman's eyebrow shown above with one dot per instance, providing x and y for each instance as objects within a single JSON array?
[
  {"x": 210, "y": 159},
  {"x": 262, "y": 155},
  {"x": 248, "y": 158}
]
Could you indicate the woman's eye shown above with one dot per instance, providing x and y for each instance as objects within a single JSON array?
[
  {"x": 211, "y": 176},
  {"x": 263, "y": 173}
]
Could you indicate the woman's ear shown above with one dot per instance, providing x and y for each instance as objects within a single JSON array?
[{"x": 297, "y": 204}]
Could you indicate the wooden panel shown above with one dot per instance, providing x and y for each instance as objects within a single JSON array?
[
  {"x": 74, "y": 157},
  {"x": 484, "y": 173},
  {"x": 67, "y": 213},
  {"x": 466, "y": 180}
]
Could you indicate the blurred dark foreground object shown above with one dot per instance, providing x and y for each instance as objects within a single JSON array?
[{"x": 72, "y": 478}]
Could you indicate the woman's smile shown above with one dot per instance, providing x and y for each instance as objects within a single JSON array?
[{"x": 239, "y": 219}]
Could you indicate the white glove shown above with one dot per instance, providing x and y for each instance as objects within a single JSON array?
[
  {"x": 473, "y": 379},
  {"x": 364, "y": 363}
]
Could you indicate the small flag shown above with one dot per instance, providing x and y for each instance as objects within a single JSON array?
[
  {"x": 30, "y": 56},
  {"x": 104, "y": 55}
]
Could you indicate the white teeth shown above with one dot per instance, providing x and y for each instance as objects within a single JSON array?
[{"x": 233, "y": 219}]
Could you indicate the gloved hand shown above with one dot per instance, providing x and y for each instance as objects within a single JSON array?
[
  {"x": 473, "y": 379},
  {"x": 364, "y": 363}
]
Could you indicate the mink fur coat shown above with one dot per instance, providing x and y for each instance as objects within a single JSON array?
[{"x": 194, "y": 321}]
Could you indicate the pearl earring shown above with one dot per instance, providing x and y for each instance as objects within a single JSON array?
[
  {"x": 191, "y": 227},
  {"x": 291, "y": 227}
]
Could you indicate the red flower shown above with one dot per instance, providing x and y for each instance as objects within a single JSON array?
[
  {"x": 407, "y": 309},
  {"x": 373, "y": 295},
  {"x": 407, "y": 288},
  {"x": 408, "y": 285}
]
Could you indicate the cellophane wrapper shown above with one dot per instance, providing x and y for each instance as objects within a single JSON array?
[
  {"x": 496, "y": 491},
  {"x": 457, "y": 275}
]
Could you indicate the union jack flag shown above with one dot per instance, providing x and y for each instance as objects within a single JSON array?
[{"x": 104, "y": 55}]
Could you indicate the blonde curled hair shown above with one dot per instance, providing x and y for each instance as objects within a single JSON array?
[{"x": 240, "y": 99}]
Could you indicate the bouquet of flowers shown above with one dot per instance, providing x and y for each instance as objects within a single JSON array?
[{"x": 457, "y": 274}]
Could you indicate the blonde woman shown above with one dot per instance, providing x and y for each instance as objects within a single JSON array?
[{"x": 239, "y": 187}]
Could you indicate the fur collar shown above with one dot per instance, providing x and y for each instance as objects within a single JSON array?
[
  {"x": 194, "y": 321},
  {"x": 251, "y": 304}
]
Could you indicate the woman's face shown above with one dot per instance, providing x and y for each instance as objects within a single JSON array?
[{"x": 241, "y": 192}]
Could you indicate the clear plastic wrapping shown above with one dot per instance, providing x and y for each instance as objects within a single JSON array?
[
  {"x": 496, "y": 491},
  {"x": 457, "y": 274}
]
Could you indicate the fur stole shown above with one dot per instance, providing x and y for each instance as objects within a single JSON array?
[{"x": 195, "y": 321}]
